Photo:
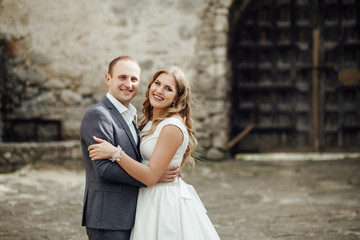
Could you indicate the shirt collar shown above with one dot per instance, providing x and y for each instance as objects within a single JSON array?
[{"x": 120, "y": 107}]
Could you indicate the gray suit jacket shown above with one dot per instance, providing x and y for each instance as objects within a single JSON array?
[{"x": 110, "y": 193}]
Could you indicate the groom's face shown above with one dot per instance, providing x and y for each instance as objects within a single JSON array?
[{"x": 124, "y": 81}]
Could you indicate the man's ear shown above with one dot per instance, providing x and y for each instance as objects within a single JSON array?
[{"x": 107, "y": 78}]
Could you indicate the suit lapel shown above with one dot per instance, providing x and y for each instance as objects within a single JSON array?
[
  {"x": 123, "y": 123},
  {"x": 137, "y": 132},
  {"x": 138, "y": 136}
]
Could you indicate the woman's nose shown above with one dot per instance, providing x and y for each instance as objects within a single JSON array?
[{"x": 160, "y": 90}]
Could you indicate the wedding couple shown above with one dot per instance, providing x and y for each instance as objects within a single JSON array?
[{"x": 132, "y": 186}]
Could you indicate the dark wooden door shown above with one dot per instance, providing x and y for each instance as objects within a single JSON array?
[{"x": 296, "y": 75}]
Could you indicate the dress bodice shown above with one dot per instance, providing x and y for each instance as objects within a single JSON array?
[
  {"x": 148, "y": 143},
  {"x": 170, "y": 210}
]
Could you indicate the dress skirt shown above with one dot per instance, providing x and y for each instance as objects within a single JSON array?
[{"x": 171, "y": 211}]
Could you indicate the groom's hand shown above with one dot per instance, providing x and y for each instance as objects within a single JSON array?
[{"x": 170, "y": 174}]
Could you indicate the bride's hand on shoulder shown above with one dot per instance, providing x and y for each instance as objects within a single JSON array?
[{"x": 101, "y": 150}]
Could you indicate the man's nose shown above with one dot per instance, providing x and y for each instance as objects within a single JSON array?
[{"x": 128, "y": 82}]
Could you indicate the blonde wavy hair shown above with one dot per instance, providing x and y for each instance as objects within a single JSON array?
[{"x": 182, "y": 107}]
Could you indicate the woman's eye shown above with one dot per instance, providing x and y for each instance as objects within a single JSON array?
[
  {"x": 157, "y": 83},
  {"x": 169, "y": 89}
]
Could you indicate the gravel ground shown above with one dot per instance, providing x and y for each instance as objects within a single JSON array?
[{"x": 245, "y": 200}]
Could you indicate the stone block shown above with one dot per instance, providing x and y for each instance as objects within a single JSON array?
[
  {"x": 220, "y": 140},
  {"x": 69, "y": 97},
  {"x": 54, "y": 83},
  {"x": 40, "y": 59},
  {"x": 222, "y": 11},
  {"x": 215, "y": 106},
  {"x": 46, "y": 98},
  {"x": 221, "y": 23},
  {"x": 73, "y": 164},
  {"x": 226, "y": 3},
  {"x": 200, "y": 114},
  {"x": 17, "y": 159},
  {"x": 7, "y": 155},
  {"x": 218, "y": 121},
  {"x": 71, "y": 129},
  {"x": 20, "y": 73},
  {"x": 203, "y": 139},
  {"x": 76, "y": 153},
  {"x": 204, "y": 142},
  {"x": 221, "y": 40},
  {"x": 215, "y": 154},
  {"x": 36, "y": 76},
  {"x": 220, "y": 52},
  {"x": 31, "y": 92}
]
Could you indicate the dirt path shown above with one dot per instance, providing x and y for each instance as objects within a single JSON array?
[{"x": 245, "y": 200}]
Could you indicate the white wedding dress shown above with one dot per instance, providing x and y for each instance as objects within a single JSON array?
[{"x": 170, "y": 211}]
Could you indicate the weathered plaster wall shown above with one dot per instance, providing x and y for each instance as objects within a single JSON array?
[{"x": 60, "y": 51}]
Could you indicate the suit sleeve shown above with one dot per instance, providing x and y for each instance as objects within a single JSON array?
[{"x": 97, "y": 123}]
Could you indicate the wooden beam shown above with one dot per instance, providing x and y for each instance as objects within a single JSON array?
[
  {"x": 315, "y": 89},
  {"x": 242, "y": 134}
]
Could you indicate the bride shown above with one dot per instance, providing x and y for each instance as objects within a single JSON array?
[{"x": 164, "y": 211}]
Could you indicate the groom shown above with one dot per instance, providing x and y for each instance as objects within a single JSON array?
[{"x": 110, "y": 193}]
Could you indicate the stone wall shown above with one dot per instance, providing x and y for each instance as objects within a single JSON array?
[
  {"x": 14, "y": 156},
  {"x": 59, "y": 52},
  {"x": 213, "y": 78}
]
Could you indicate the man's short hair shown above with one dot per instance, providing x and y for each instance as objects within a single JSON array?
[{"x": 121, "y": 58}]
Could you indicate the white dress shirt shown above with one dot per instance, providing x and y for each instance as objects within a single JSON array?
[{"x": 127, "y": 113}]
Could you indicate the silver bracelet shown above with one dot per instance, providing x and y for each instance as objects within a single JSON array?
[{"x": 116, "y": 156}]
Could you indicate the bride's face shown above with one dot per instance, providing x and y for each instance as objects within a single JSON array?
[{"x": 163, "y": 91}]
